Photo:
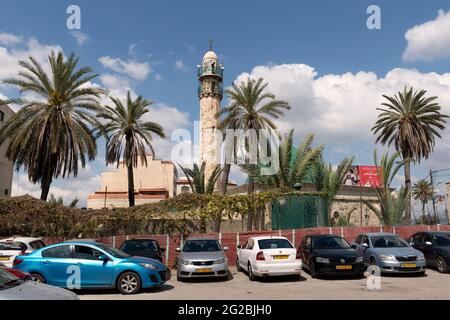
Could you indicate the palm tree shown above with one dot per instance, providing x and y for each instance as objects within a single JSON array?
[
  {"x": 411, "y": 122},
  {"x": 392, "y": 204},
  {"x": 196, "y": 178},
  {"x": 60, "y": 201},
  {"x": 51, "y": 135},
  {"x": 128, "y": 135},
  {"x": 250, "y": 108},
  {"x": 294, "y": 163},
  {"x": 329, "y": 180},
  {"x": 423, "y": 191}
]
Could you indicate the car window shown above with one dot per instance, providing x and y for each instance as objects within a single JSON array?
[
  {"x": 201, "y": 246},
  {"x": 330, "y": 243},
  {"x": 250, "y": 245},
  {"x": 308, "y": 242},
  {"x": 86, "y": 253},
  {"x": 244, "y": 246},
  {"x": 418, "y": 238},
  {"x": 62, "y": 252},
  {"x": 11, "y": 246},
  {"x": 365, "y": 240},
  {"x": 140, "y": 245},
  {"x": 116, "y": 253},
  {"x": 427, "y": 238},
  {"x": 442, "y": 239},
  {"x": 388, "y": 242},
  {"x": 37, "y": 244},
  {"x": 358, "y": 239},
  {"x": 274, "y": 244}
]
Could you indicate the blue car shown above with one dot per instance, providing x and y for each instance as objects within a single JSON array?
[{"x": 79, "y": 265}]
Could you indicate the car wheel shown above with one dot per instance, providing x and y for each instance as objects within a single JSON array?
[
  {"x": 238, "y": 266},
  {"x": 441, "y": 265},
  {"x": 251, "y": 275},
  {"x": 129, "y": 283},
  {"x": 312, "y": 270},
  {"x": 180, "y": 279},
  {"x": 36, "y": 277}
]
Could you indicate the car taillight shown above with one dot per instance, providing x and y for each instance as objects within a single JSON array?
[
  {"x": 17, "y": 261},
  {"x": 260, "y": 256},
  {"x": 298, "y": 255}
]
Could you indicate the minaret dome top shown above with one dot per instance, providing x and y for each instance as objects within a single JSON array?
[{"x": 210, "y": 55}]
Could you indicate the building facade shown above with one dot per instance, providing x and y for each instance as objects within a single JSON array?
[
  {"x": 153, "y": 183},
  {"x": 6, "y": 166}
]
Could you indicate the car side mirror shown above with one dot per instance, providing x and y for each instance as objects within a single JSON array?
[
  {"x": 226, "y": 248},
  {"x": 411, "y": 244},
  {"x": 239, "y": 246},
  {"x": 364, "y": 245},
  {"x": 428, "y": 243},
  {"x": 162, "y": 249},
  {"x": 177, "y": 249},
  {"x": 103, "y": 257},
  {"x": 354, "y": 245}
]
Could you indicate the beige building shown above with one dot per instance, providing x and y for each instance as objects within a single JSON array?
[
  {"x": 6, "y": 166},
  {"x": 153, "y": 183}
]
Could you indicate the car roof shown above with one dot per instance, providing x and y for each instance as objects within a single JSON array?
[
  {"x": 21, "y": 239},
  {"x": 140, "y": 239},
  {"x": 95, "y": 243},
  {"x": 433, "y": 232},
  {"x": 323, "y": 235},
  {"x": 201, "y": 238},
  {"x": 267, "y": 237},
  {"x": 379, "y": 234}
]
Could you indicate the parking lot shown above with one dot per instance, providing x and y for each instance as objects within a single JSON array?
[{"x": 432, "y": 286}]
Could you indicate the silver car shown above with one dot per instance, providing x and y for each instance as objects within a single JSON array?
[
  {"x": 202, "y": 257},
  {"x": 13, "y": 288},
  {"x": 390, "y": 253}
]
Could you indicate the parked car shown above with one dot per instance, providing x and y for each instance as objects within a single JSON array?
[
  {"x": 100, "y": 266},
  {"x": 436, "y": 248},
  {"x": 14, "y": 246},
  {"x": 330, "y": 255},
  {"x": 202, "y": 257},
  {"x": 390, "y": 253},
  {"x": 268, "y": 256},
  {"x": 18, "y": 273},
  {"x": 143, "y": 248},
  {"x": 14, "y": 288}
]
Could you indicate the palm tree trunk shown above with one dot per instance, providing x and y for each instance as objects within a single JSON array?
[
  {"x": 222, "y": 190},
  {"x": 250, "y": 190},
  {"x": 423, "y": 212},
  {"x": 45, "y": 185},
  {"x": 408, "y": 188},
  {"x": 129, "y": 162}
]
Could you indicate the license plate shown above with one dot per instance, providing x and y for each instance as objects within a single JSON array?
[
  {"x": 4, "y": 258},
  {"x": 280, "y": 257},
  {"x": 203, "y": 270},
  {"x": 344, "y": 267},
  {"x": 409, "y": 265}
]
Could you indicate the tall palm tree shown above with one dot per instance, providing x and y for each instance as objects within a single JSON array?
[
  {"x": 51, "y": 135},
  {"x": 197, "y": 179},
  {"x": 251, "y": 107},
  {"x": 411, "y": 122},
  {"x": 423, "y": 191},
  {"x": 128, "y": 135},
  {"x": 392, "y": 204}
]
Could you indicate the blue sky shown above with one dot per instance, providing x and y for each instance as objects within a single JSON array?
[{"x": 315, "y": 47}]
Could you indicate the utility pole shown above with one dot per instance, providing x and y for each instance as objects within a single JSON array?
[{"x": 433, "y": 197}]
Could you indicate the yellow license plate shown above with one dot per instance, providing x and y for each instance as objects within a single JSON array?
[
  {"x": 409, "y": 265},
  {"x": 343, "y": 267},
  {"x": 204, "y": 270},
  {"x": 4, "y": 258},
  {"x": 280, "y": 257}
]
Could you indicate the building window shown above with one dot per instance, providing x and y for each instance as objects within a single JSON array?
[
  {"x": 2, "y": 116},
  {"x": 6, "y": 192}
]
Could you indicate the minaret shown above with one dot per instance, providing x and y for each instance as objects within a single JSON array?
[{"x": 210, "y": 93}]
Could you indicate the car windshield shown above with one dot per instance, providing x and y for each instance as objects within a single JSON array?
[
  {"x": 388, "y": 242},
  {"x": 116, "y": 253},
  {"x": 330, "y": 243},
  {"x": 140, "y": 245},
  {"x": 201, "y": 246},
  {"x": 7, "y": 278},
  {"x": 10, "y": 246},
  {"x": 274, "y": 244},
  {"x": 442, "y": 239}
]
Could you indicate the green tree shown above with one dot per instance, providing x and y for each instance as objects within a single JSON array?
[
  {"x": 392, "y": 204},
  {"x": 411, "y": 122},
  {"x": 423, "y": 191},
  {"x": 251, "y": 107},
  {"x": 52, "y": 134},
  {"x": 60, "y": 201},
  {"x": 128, "y": 135}
]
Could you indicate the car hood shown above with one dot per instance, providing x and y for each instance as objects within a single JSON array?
[
  {"x": 30, "y": 290},
  {"x": 405, "y": 251},
  {"x": 202, "y": 256},
  {"x": 335, "y": 253},
  {"x": 134, "y": 259}
]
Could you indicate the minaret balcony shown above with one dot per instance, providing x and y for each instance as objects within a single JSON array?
[{"x": 208, "y": 70}]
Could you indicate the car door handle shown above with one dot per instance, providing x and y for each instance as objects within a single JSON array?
[
  {"x": 46, "y": 262},
  {"x": 79, "y": 264}
]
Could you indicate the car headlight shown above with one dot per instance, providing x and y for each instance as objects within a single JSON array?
[
  {"x": 219, "y": 261},
  {"x": 387, "y": 257},
  {"x": 148, "y": 266},
  {"x": 359, "y": 259},
  {"x": 420, "y": 256},
  {"x": 322, "y": 260},
  {"x": 185, "y": 262}
]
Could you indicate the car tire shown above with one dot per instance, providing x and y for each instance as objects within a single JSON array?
[
  {"x": 251, "y": 275},
  {"x": 312, "y": 270},
  {"x": 441, "y": 265},
  {"x": 180, "y": 279},
  {"x": 36, "y": 277},
  {"x": 129, "y": 283},
  {"x": 238, "y": 266}
]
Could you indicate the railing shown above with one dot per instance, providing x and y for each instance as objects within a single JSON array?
[{"x": 209, "y": 70}]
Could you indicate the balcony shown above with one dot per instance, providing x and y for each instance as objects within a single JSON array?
[
  {"x": 208, "y": 70},
  {"x": 216, "y": 89}
]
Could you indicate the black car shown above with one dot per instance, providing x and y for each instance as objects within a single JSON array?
[
  {"x": 330, "y": 255},
  {"x": 435, "y": 246},
  {"x": 148, "y": 248}
]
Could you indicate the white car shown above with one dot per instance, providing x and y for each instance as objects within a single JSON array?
[
  {"x": 15, "y": 246},
  {"x": 268, "y": 256}
]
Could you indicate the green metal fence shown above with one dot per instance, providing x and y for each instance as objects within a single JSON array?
[{"x": 294, "y": 212}]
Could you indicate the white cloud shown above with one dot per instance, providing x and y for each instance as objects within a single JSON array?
[
  {"x": 80, "y": 37},
  {"x": 179, "y": 65},
  {"x": 430, "y": 40},
  {"x": 341, "y": 108},
  {"x": 133, "y": 69},
  {"x": 158, "y": 77},
  {"x": 7, "y": 38}
]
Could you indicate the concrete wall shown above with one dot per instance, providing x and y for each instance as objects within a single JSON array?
[{"x": 6, "y": 166}]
